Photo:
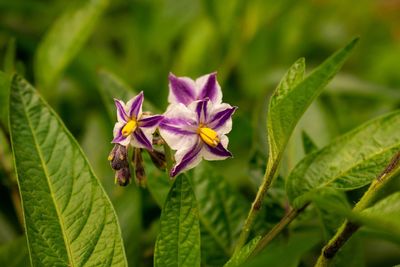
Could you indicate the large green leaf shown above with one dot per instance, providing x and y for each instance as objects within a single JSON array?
[
  {"x": 294, "y": 95},
  {"x": 178, "y": 243},
  {"x": 15, "y": 253},
  {"x": 65, "y": 38},
  {"x": 222, "y": 210},
  {"x": 69, "y": 219},
  {"x": 350, "y": 162}
]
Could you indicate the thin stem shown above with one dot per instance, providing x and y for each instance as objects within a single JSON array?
[
  {"x": 277, "y": 229},
  {"x": 269, "y": 175},
  {"x": 348, "y": 228}
]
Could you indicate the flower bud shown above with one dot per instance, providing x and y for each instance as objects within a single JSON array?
[
  {"x": 158, "y": 159},
  {"x": 123, "y": 176},
  {"x": 140, "y": 174},
  {"x": 118, "y": 157}
]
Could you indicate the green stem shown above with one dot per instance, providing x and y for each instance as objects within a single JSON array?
[
  {"x": 285, "y": 221},
  {"x": 168, "y": 157},
  {"x": 270, "y": 172},
  {"x": 348, "y": 228}
]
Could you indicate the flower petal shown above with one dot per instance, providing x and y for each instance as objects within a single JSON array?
[
  {"x": 140, "y": 140},
  {"x": 186, "y": 159},
  {"x": 181, "y": 90},
  {"x": 221, "y": 118},
  {"x": 179, "y": 126},
  {"x": 201, "y": 108},
  {"x": 118, "y": 137},
  {"x": 150, "y": 121},
  {"x": 209, "y": 88},
  {"x": 121, "y": 114},
  {"x": 219, "y": 152},
  {"x": 134, "y": 106}
]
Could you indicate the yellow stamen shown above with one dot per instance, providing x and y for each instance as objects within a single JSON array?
[
  {"x": 209, "y": 136},
  {"x": 129, "y": 127}
]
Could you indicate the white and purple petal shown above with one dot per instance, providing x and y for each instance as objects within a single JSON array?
[
  {"x": 187, "y": 158},
  {"x": 121, "y": 113},
  {"x": 118, "y": 137},
  {"x": 181, "y": 90},
  {"x": 134, "y": 106},
  {"x": 220, "y": 119},
  {"x": 219, "y": 152},
  {"x": 140, "y": 140},
  {"x": 207, "y": 87},
  {"x": 179, "y": 127},
  {"x": 150, "y": 121}
]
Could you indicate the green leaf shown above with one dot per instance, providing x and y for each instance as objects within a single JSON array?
[
  {"x": 222, "y": 210},
  {"x": 292, "y": 98},
  {"x": 65, "y": 38},
  {"x": 15, "y": 253},
  {"x": 4, "y": 99},
  {"x": 9, "y": 57},
  {"x": 308, "y": 144},
  {"x": 351, "y": 161},
  {"x": 68, "y": 217},
  {"x": 178, "y": 243},
  {"x": 239, "y": 258}
]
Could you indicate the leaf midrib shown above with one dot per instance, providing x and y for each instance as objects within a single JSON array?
[{"x": 42, "y": 162}]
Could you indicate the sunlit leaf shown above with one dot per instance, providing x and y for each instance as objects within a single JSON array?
[
  {"x": 351, "y": 161},
  {"x": 69, "y": 218},
  {"x": 65, "y": 38},
  {"x": 292, "y": 98},
  {"x": 178, "y": 242}
]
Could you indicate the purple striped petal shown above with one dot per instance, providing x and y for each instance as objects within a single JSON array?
[
  {"x": 119, "y": 138},
  {"x": 219, "y": 150},
  {"x": 210, "y": 88},
  {"x": 181, "y": 89},
  {"x": 219, "y": 119},
  {"x": 188, "y": 160},
  {"x": 142, "y": 139},
  {"x": 151, "y": 121},
  {"x": 179, "y": 126},
  {"x": 135, "y": 105},
  {"x": 201, "y": 110},
  {"x": 121, "y": 114}
]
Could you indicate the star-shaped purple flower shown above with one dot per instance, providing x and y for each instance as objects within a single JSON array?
[
  {"x": 197, "y": 131},
  {"x": 185, "y": 90},
  {"x": 133, "y": 126}
]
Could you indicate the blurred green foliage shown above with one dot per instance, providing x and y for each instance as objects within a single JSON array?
[{"x": 250, "y": 44}]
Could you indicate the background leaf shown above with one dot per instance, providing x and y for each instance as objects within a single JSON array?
[
  {"x": 285, "y": 110},
  {"x": 65, "y": 38},
  {"x": 178, "y": 242},
  {"x": 222, "y": 211},
  {"x": 4, "y": 99},
  {"x": 349, "y": 162},
  {"x": 15, "y": 253},
  {"x": 69, "y": 218}
]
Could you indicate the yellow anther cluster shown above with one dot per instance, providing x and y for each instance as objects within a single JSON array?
[
  {"x": 129, "y": 127},
  {"x": 209, "y": 136}
]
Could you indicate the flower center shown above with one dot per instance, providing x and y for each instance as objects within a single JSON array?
[
  {"x": 129, "y": 127},
  {"x": 208, "y": 135}
]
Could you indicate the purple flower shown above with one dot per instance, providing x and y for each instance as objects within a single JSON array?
[
  {"x": 197, "y": 131},
  {"x": 185, "y": 90},
  {"x": 133, "y": 126}
]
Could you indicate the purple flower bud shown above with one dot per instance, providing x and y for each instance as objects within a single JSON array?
[
  {"x": 140, "y": 174},
  {"x": 123, "y": 176},
  {"x": 118, "y": 157},
  {"x": 158, "y": 159}
]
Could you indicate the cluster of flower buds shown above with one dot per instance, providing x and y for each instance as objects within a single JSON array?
[{"x": 195, "y": 125}]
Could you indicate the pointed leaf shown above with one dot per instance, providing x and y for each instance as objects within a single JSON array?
[
  {"x": 65, "y": 38},
  {"x": 285, "y": 110},
  {"x": 68, "y": 217},
  {"x": 308, "y": 144},
  {"x": 178, "y": 243},
  {"x": 222, "y": 211},
  {"x": 351, "y": 161}
]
